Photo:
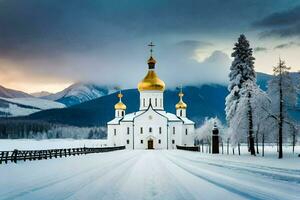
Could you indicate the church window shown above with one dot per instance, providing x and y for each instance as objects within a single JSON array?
[
  {"x": 115, "y": 131},
  {"x": 123, "y": 113},
  {"x": 159, "y": 141},
  {"x": 150, "y": 130},
  {"x": 127, "y": 141},
  {"x": 186, "y": 131},
  {"x": 159, "y": 130},
  {"x": 150, "y": 101},
  {"x": 174, "y": 130},
  {"x": 181, "y": 113},
  {"x": 141, "y": 130},
  {"x": 142, "y": 141},
  {"x": 128, "y": 130},
  {"x": 173, "y": 141},
  {"x": 144, "y": 104},
  {"x": 155, "y": 101}
]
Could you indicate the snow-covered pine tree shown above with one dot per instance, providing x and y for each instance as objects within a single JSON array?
[
  {"x": 283, "y": 94},
  {"x": 241, "y": 71}
]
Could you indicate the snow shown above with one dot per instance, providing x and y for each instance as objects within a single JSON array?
[
  {"x": 82, "y": 91},
  {"x": 153, "y": 174},
  {"x": 28, "y": 105},
  {"x": 42, "y": 104},
  {"x": 31, "y": 144}
]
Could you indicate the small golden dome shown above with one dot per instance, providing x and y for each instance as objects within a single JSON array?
[
  {"x": 151, "y": 80},
  {"x": 120, "y": 105},
  {"x": 181, "y": 104}
]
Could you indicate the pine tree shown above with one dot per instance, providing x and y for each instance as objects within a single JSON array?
[
  {"x": 241, "y": 72},
  {"x": 282, "y": 92}
]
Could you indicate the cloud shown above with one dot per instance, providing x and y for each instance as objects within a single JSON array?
[
  {"x": 282, "y": 24},
  {"x": 287, "y": 45},
  {"x": 258, "y": 49},
  {"x": 106, "y": 41}
]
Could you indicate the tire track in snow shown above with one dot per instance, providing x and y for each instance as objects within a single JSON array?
[
  {"x": 113, "y": 179},
  {"x": 54, "y": 182},
  {"x": 288, "y": 177},
  {"x": 236, "y": 189}
]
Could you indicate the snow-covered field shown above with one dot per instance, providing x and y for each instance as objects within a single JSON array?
[
  {"x": 31, "y": 144},
  {"x": 151, "y": 174}
]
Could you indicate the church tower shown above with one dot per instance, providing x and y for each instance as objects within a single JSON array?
[
  {"x": 120, "y": 107},
  {"x": 151, "y": 88},
  {"x": 181, "y": 106}
]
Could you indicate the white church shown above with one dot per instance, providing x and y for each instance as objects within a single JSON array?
[{"x": 151, "y": 127}]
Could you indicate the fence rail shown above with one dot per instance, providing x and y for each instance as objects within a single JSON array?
[
  {"x": 188, "y": 148},
  {"x": 16, "y": 155}
]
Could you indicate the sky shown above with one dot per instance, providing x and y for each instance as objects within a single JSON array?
[{"x": 48, "y": 45}]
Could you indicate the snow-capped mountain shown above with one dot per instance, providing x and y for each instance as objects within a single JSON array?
[
  {"x": 80, "y": 92},
  {"x": 41, "y": 94},
  {"x": 11, "y": 107},
  {"x": 10, "y": 93}
]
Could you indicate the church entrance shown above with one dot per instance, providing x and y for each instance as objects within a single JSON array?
[{"x": 150, "y": 144}]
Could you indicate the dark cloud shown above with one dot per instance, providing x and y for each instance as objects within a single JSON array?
[
  {"x": 287, "y": 45},
  {"x": 258, "y": 49},
  {"x": 283, "y": 24},
  {"x": 107, "y": 40}
]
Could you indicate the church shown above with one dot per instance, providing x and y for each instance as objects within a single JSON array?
[{"x": 151, "y": 127}]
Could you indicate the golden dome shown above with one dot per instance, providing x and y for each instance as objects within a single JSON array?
[
  {"x": 181, "y": 104},
  {"x": 151, "y": 80},
  {"x": 120, "y": 105}
]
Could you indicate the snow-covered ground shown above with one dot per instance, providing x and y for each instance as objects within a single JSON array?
[
  {"x": 151, "y": 174},
  {"x": 32, "y": 144}
]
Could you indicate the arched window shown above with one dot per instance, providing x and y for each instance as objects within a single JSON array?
[
  {"x": 141, "y": 130},
  {"x": 123, "y": 113},
  {"x": 127, "y": 141},
  {"x": 128, "y": 130},
  {"x": 159, "y": 130},
  {"x": 155, "y": 102},
  {"x": 115, "y": 131},
  {"x": 174, "y": 130},
  {"x": 144, "y": 104},
  {"x": 186, "y": 131},
  {"x": 150, "y": 130},
  {"x": 180, "y": 113}
]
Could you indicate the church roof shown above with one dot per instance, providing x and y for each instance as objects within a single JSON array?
[{"x": 170, "y": 116}]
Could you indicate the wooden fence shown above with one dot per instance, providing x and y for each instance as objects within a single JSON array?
[
  {"x": 14, "y": 156},
  {"x": 188, "y": 148}
]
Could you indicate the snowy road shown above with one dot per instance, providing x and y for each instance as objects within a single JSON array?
[{"x": 151, "y": 175}]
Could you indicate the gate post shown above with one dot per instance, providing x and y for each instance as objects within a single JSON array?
[{"x": 215, "y": 139}]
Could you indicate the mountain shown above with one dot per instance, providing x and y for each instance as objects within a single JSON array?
[
  {"x": 10, "y": 93},
  {"x": 10, "y": 107},
  {"x": 203, "y": 101},
  {"x": 41, "y": 94},
  {"x": 80, "y": 92}
]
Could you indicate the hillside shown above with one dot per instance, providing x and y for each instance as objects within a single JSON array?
[
  {"x": 10, "y": 107},
  {"x": 202, "y": 101},
  {"x": 10, "y": 93}
]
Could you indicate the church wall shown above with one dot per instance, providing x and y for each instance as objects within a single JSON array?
[{"x": 150, "y": 122}]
